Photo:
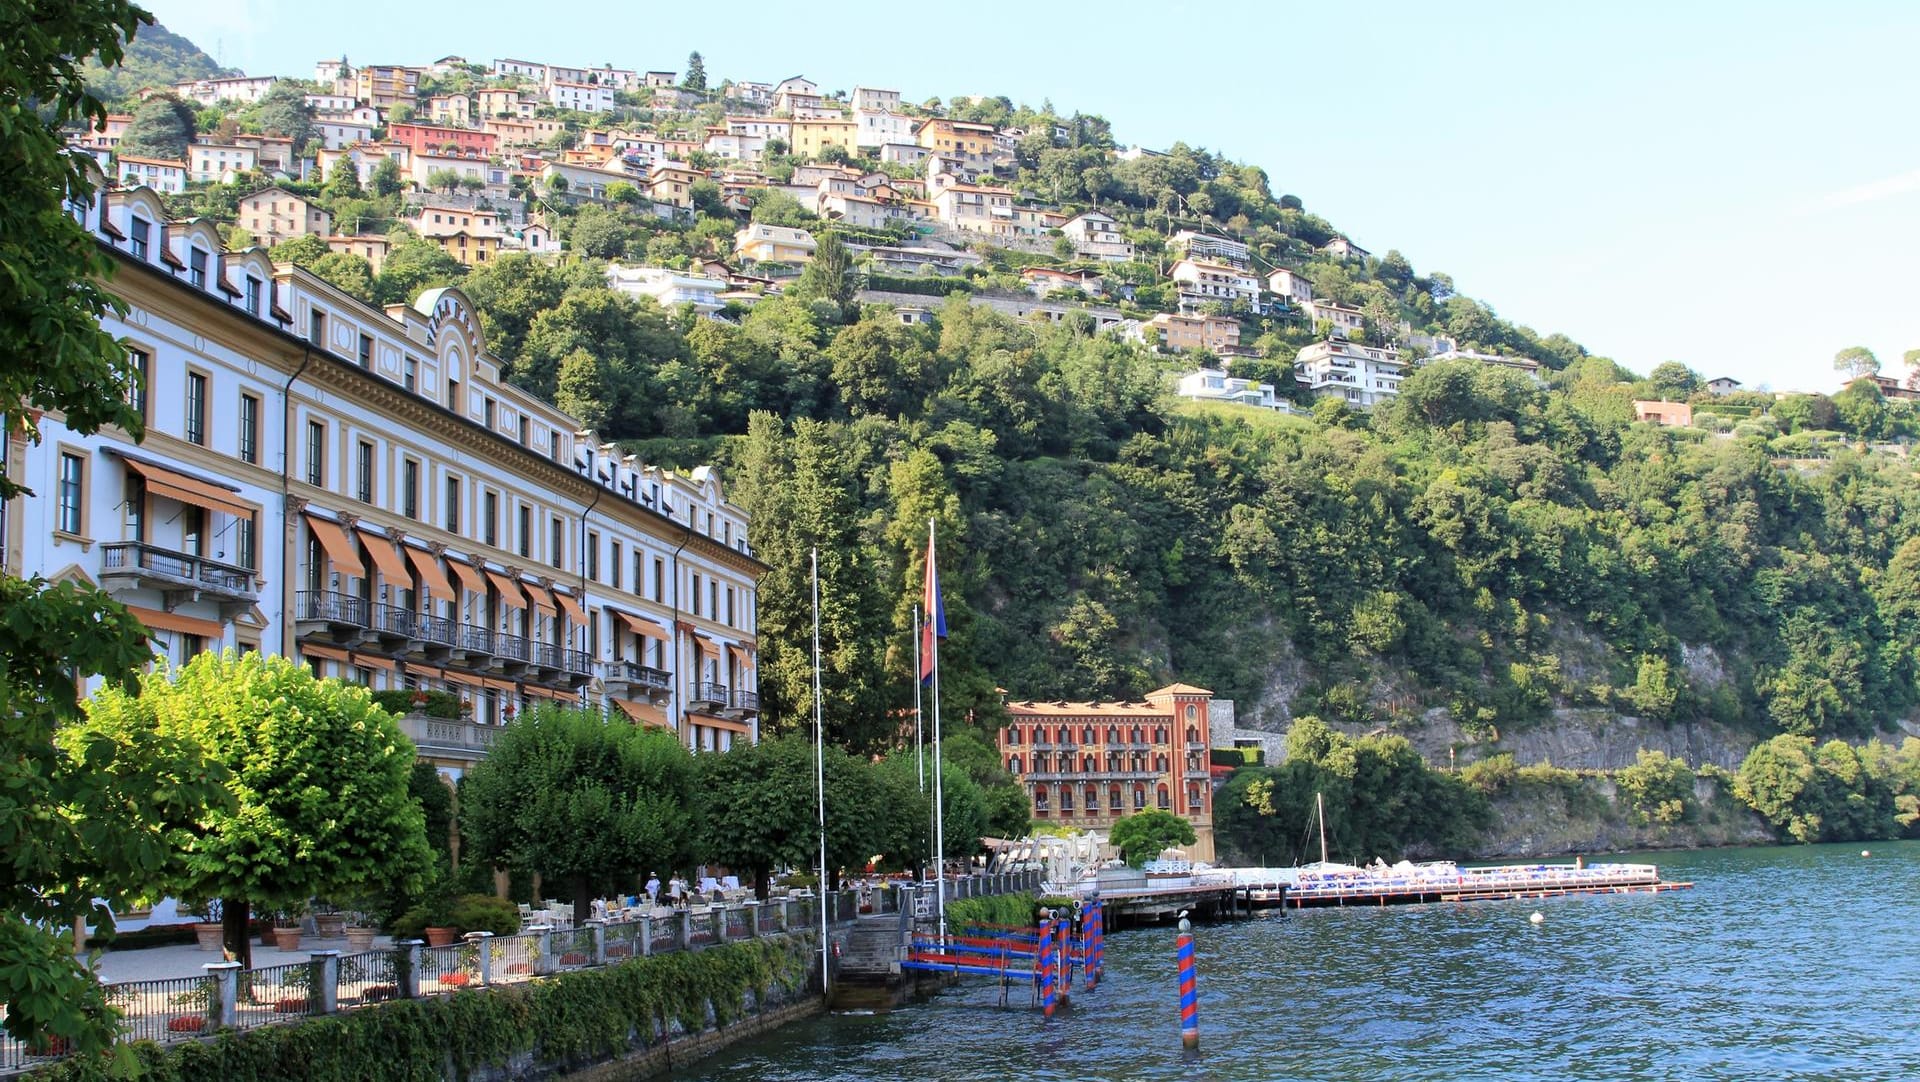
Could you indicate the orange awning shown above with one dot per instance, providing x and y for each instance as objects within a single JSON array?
[
  {"x": 712, "y": 722},
  {"x": 741, "y": 654},
  {"x": 510, "y": 594},
  {"x": 340, "y": 550},
  {"x": 499, "y": 685},
  {"x": 178, "y": 486},
  {"x": 470, "y": 577},
  {"x": 549, "y": 693},
  {"x": 542, "y": 600},
  {"x": 432, "y": 575},
  {"x": 463, "y": 679},
  {"x": 324, "y": 653},
  {"x": 371, "y": 662},
  {"x": 574, "y": 611},
  {"x": 389, "y": 560},
  {"x": 643, "y": 713},
  {"x": 706, "y": 646},
  {"x": 426, "y": 672},
  {"x": 644, "y": 628},
  {"x": 159, "y": 620}
]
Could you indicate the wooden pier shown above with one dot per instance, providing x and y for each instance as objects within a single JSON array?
[{"x": 1507, "y": 883}]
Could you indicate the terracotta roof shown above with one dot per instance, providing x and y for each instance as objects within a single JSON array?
[{"x": 1178, "y": 689}]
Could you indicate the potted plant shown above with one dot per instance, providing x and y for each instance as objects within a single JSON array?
[
  {"x": 328, "y": 922},
  {"x": 286, "y": 930},
  {"x": 207, "y": 933}
]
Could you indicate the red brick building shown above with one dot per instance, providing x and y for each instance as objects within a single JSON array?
[{"x": 1087, "y": 764}]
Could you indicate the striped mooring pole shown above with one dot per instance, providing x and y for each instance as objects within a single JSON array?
[
  {"x": 1091, "y": 948},
  {"x": 1045, "y": 947},
  {"x": 1189, "y": 993},
  {"x": 1063, "y": 931}
]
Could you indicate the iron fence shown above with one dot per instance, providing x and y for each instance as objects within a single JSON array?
[
  {"x": 449, "y": 969},
  {"x": 513, "y": 958},
  {"x": 171, "y": 1009},
  {"x": 274, "y": 994},
  {"x": 573, "y": 948},
  {"x": 371, "y": 977}
]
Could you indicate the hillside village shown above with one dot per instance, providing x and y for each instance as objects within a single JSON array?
[{"x": 1179, "y": 250}]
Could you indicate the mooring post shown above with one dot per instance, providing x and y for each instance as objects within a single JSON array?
[
  {"x": 1064, "y": 930},
  {"x": 1189, "y": 992},
  {"x": 1044, "y": 946}
]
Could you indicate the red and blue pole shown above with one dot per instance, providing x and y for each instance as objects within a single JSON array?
[
  {"x": 1046, "y": 966},
  {"x": 1090, "y": 944},
  {"x": 1189, "y": 989},
  {"x": 1063, "y": 929}
]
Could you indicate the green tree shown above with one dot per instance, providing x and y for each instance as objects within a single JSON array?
[
  {"x": 1856, "y": 361},
  {"x": 283, "y": 110},
  {"x": 348, "y": 272},
  {"x": 386, "y": 180},
  {"x": 317, "y": 777},
  {"x": 1142, "y": 836},
  {"x": 828, "y": 276},
  {"x": 414, "y": 264},
  {"x": 301, "y": 251},
  {"x": 443, "y": 180},
  {"x": 696, "y": 77},
  {"x": 579, "y": 801},
  {"x": 343, "y": 181},
  {"x": 72, "y": 829},
  {"x": 1658, "y": 788},
  {"x": 1674, "y": 381},
  {"x": 161, "y": 128}
]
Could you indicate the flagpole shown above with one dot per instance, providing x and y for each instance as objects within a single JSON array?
[
  {"x": 939, "y": 827},
  {"x": 919, "y": 735},
  {"x": 820, "y": 781}
]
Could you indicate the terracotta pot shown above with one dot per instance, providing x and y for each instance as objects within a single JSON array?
[
  {"x": 329, "y": 925},
  {"x": 206, "y": 935},
  {"x": 287, "y": 939},
  {"x": 441, "y": 937},
  {"x": 360, "y": 939}
]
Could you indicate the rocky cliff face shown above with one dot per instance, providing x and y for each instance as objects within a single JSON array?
[
  {"x": 1585, "y": 818},
  {"x": 1578, "y": 739}
]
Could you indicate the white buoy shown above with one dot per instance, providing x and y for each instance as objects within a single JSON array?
[
  {"x": 1866, "y": 852},
  {"x": 1537, "y": 918}
]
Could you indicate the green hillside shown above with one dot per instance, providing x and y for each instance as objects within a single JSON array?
[{"x": 155, "y": 57}]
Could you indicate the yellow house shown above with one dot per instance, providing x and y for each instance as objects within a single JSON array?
[
  {"x": 811, "y": 138},
  {"x": 759, "y": 243},
  {"x": 671, "y": 182},
  {"x": 468, "y": 235},
  {"x": 956, "y": 137}
]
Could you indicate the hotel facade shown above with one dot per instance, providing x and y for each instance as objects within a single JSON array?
[
  {"x": 1085, "y": 765},
  {"x": 359, "y": 489}
]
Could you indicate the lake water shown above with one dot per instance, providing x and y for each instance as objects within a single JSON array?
[{"x": 1781, "y": 963}]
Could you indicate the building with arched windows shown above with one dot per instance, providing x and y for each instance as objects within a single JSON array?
[
  {"x": 359, "y": 488},
  {"x": 1085, "y": 765}
]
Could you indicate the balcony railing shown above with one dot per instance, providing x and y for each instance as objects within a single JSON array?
[
  {"x": 177, "y": 568},
  {"x": 331, "y": 606},
  {"x": 462, "y": 739},
  {"x": 511, "y": 647},
  {"x": 746, "y": 701},
  {"x": 714, "y": 694},
  {"x": 474, "y": 640},
  {"x": 636, "y": 674}
]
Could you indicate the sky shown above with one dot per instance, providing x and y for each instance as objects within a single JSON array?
[{"x": 1733, "y": 186}]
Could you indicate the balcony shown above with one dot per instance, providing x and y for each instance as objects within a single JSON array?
[
  {"x": 708, "y": 697},
  {"x": 442, "y": 738},
  {"x": 332, "y": 616},
  {"x": 181, "y": 576},
  {"x": 743, "y": 704},
  {"x": 632, "y": 680}
]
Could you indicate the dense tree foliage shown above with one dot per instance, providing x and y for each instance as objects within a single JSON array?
[
  {"x": 1144, "y": 835},
  {"x": 581, "y": 802},
  {"x": 156, "y": 57},
  {"x": 290, "y": 746}
]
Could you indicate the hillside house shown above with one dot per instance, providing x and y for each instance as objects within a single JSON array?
[
  {"x": 1097, "y": 236},
  {"x": 468, "y": 235},
  {"x": 1670, "y": 414},
  {"x": 1208, "y": 385},
  {"x": 1343, "y": 320},
  {"x": 1201, "y": 282},
  {"x": 273, "y": 215},
  {"x": 1170, "y": 332},
  {"x": 1342, "y": 248},
  {"x": 1209, "y": 248},
  {"x": 1361, "y": 375},
  {"x": 160, "y": 174},
  {"x": 1290, "y": 287},
  {"x": 218, "y": 163},
  {"x": 760, "y": 243},
  {"x": 671, "y": 288}
]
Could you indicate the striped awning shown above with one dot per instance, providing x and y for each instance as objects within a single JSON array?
[
  {"x": 340, "y": 549},
  {"x": 178, "y": 486},
  {"x": 432, "y": 575}
]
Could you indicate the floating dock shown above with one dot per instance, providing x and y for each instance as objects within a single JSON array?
[{"x": 1318, "y": 886}]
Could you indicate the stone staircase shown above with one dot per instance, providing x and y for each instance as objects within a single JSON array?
[{"x": 872, "y": 950}]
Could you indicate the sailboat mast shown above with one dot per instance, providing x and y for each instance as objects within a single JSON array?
[{"x": 1320, "y": 813}]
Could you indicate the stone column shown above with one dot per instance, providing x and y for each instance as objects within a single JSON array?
[
  {"x": 484, "y": 950},
  {"x": 407, "y": 957},
  {"x": 222, "y": 993},
  {"x": 599, "y": 928},
  {"x": 323, "y": 982}
]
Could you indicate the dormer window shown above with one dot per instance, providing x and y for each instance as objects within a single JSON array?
[
  {"x": 197, "y": 267},
  {"x": 253, "y": 295},
  {"x": 137, "y": 237}
]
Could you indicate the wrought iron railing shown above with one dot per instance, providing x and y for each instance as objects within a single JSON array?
[
  {"x": 332, "y": 606},
  {"x": 182, "y": 567}
]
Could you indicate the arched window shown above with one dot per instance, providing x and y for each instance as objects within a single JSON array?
[
  {"x": 1065, "y": 734},
  {"x": 1040, "y": 800},
  {"x": 1066, "y": 800},
  {"x": 1139, "y": 797},
  {"x": 1093, "y": 800},
  {"x": 1160, "y": 763},
  {"x": 1159, "y": 734},
  {"x": 1013, "y": 765},
  {"x": 1113, "y": 734},
  {"x": 1087, "y": 735},
  {"x": 1013, "y": 735},
  {"x": 1137, "y": 735},
  {"x": 1166, "y": 798},
  {"x": 1140, "y": 762},
  {"x": 1193, "y": 794},
  {"x": 1113, "y": 799},
  {"x": 1040, "y": 759},
  {"x": 1193, "y": 734},
  {"x": 1090, "y": 763}
]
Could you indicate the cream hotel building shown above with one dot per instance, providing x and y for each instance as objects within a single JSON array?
[{"x": 358, "y": 489}]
